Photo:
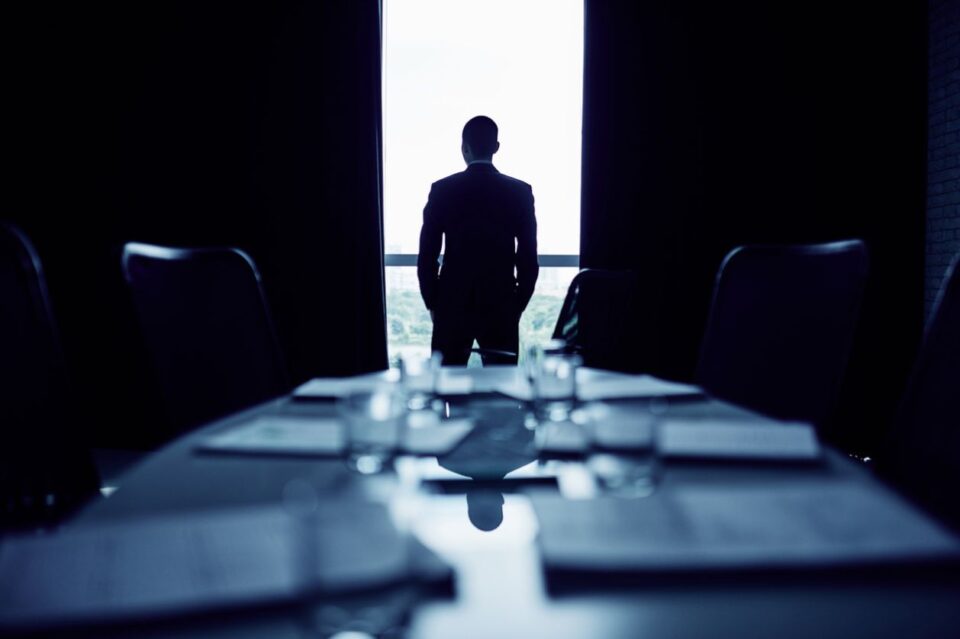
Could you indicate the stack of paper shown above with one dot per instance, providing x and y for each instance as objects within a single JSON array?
[
  {"x": 161, "y": 567},
  {"x": 812, "y": 524},
  {"x": 594, "y": 385},
  {"x": 337, "y": 387},
  {"x": 449, "y": 381},
  {"x": 436, "y": 439},
  {"x": 328, "y": 436},
  {"x": 724, "y": 439},
  {"x": 279, "y": 434}
]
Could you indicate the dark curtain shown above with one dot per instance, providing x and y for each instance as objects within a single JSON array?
[
  {"x": 709, "y": 125},
  {"x": 252, "y": 124}
]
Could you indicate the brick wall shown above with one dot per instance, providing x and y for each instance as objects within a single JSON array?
[{"x": 943, "y": 169}]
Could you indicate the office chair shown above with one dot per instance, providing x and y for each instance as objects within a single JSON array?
[
  {"x": 45, "y": 467},
  {"x": 922, "y": 451},
  {"x": 781, "y": 325},
  {"x": 207, "y": 329},
  {"x": 603, "y": 320}
]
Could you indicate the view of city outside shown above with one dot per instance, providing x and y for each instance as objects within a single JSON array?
[
  {"x": 409, "y": 326},
  {"x": 445, "y": 61}
]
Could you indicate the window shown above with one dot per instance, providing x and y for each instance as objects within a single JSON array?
[{"x": 445, "y": 61}]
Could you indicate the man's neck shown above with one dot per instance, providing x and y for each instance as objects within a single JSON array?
[{"x": 480, "y": 161}]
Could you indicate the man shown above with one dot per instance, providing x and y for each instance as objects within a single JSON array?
[{"x": 490, "y": 260}]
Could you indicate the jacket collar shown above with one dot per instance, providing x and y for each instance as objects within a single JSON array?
[{"x": 482, "y": 167}]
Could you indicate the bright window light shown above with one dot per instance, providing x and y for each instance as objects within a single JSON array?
[{"x": 519, "y": 62}]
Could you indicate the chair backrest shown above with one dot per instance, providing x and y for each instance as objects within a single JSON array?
[
  {"x": 781, "y": 326},
  {"x": 207, "y": 330},
  {"x": 45, "y": 466},
  {"x": 922, "y": 452},
  {"x": 602, "y": 319}
]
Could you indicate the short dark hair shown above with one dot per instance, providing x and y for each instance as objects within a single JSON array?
[{"x": 480, "y": 133}]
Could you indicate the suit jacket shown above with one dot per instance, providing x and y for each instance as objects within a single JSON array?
[{"x": 490, "y": 260}]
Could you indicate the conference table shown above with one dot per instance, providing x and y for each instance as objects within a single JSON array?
[{"x": 499, "y": 586}]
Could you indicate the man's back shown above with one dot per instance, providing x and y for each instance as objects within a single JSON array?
[
  {"x": 490, "y": 229},
  {"x": 490, "y": 261}
]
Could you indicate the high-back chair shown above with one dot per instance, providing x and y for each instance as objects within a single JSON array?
[
  {"x": 781, "y": 326},
  {"x": 207, "y": 330},
  {"x": 45, "y": 466},
  {"x": 922, "y": 452},
  {"x": 602, "y": 320}
]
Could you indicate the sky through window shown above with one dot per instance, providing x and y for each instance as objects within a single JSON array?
[{"x": 518, "y": 61}]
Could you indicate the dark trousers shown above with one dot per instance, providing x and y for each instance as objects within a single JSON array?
[{"x": 494, "y": 327}]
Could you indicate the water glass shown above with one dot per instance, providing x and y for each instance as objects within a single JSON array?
[
  {"x": 552, "y": 371},
  {"x": 419, "y": 376},
  {"x": 374, "y": 422}
]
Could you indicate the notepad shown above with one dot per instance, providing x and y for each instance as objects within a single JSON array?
[
  {"x": 720, "y": 439},
  {"x": 813, "y": 524}
]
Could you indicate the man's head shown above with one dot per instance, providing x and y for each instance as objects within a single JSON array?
[{"x": 479, "y": 139}]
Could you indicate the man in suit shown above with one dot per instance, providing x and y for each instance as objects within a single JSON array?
[{"x": 490, "y": 260}]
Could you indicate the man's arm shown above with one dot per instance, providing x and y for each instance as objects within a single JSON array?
[
  {"x": 431, "y": 239},
  {"x": 528, "y": 267}
]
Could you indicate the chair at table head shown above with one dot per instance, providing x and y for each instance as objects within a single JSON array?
[
  {"x": 45, "y": 467},
  {"x": 922, "y": 452},
  {"x": 603, "y": 320},
  {"x": 781, "y": 326},
  {"x": 207, "y": 330}
]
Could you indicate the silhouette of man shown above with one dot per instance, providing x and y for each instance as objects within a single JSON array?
[{"x": 490, "y": 260}]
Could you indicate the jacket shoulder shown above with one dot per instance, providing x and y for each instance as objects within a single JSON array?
[
  {"x": 514, "y": 182},
  {"x": 449, "y": 181},
  {"x": 454, "y": 182}
]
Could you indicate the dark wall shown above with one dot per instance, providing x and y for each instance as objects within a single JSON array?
[
  {"x": 251, "y": 124},
  {"x": 707, "y": 126},
  {"x": 943, "y": 153}
]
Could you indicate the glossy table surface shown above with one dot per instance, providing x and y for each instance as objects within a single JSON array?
[{"x": 500, "y": 587}]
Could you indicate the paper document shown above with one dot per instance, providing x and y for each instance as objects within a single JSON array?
[
  {"x": 436, "y": 439},
  {"x": 327, "y": 436},
  {"x": 336, "y": 387},
  {"x": 280, "y": 434},
  {"x": 815, "y": 524},
  {"x": 517, "y": 388},
  {"x": 594, "y": 385},
  {"x": 161, "y": 566},
  {"x": 449, "y": 383},
  {"x": 718, "y": 439}
]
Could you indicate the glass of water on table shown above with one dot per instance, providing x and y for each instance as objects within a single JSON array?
[
  {"x": 552, "y": 374},
  {"x": 374, "y": 421}
]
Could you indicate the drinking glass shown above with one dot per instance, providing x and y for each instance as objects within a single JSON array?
[
  {"x": 552, "y": 371},
  {"x": 374, "y": 422},
  {"x": 419, "y": 376}
]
